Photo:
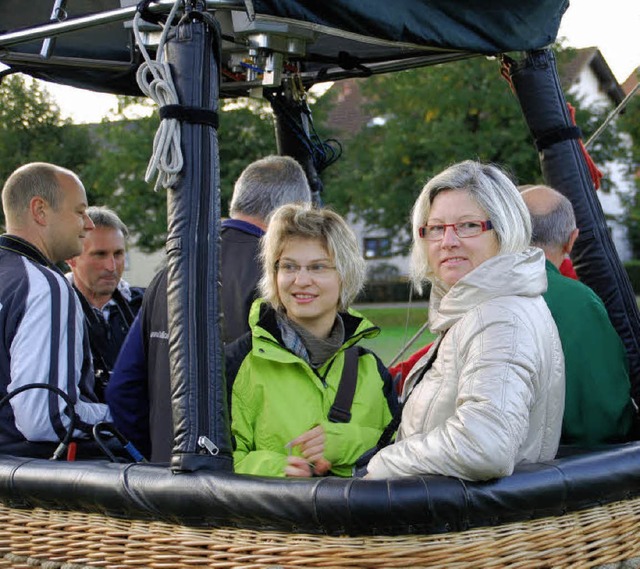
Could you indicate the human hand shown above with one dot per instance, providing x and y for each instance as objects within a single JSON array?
[
  {"x": 311, "y": 443},
  {"x": 321, "y": 467},
  {"x": 298, "y": 467}
]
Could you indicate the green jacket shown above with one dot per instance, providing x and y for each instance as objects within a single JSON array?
[
  {"x": 277, "y": 396},
  {"x": 598, "y": 406}
]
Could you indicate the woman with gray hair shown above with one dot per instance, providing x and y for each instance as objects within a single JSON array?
[
  {"x": 489, "y": 394},
  {"x": 287, "y": 416}
]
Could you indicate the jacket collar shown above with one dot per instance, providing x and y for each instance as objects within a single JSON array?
[
  {"x": 243, "y": 226},
  {"x": 263, "y": 317},
  {"x": 22, "y": 247},
  {"x": 512, "y": 274}
]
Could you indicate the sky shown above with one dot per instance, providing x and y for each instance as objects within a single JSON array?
[{"x": 611, "y": 25}]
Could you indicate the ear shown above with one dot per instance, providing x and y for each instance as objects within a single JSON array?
[
  {"x": 568, "y": 246},
  {"x": 71, "y": 262},
  {"x": 38, "y": 208}
]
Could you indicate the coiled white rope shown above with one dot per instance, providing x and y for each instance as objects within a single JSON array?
[{"x": 154, "y": 79}]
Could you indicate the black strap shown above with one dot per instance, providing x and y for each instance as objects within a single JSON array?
[
  {"x": 551, "y": 137},
  {"x": 340, "y": 411},
  {"x": 192, "y": 115},
  {"x": 392, "y": 427}
]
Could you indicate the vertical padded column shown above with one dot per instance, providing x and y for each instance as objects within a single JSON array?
[
  {"x": 198, "y": 390},
  {"x": 564, "y": 168}
]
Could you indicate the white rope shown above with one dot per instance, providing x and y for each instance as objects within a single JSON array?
[{"x": 154, "y": 79}]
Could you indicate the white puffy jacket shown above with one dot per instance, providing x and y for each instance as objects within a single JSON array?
[{"x": 494, "y": 396}]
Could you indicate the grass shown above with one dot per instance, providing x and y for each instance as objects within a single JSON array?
[{"x": 398, "y": 325}]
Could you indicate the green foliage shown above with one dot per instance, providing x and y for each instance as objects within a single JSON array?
[
  {"x": 246, "y": 133},
  {"x": 630, "y": 123},
  {"x": 429, "y": 118},
  {"x": 111, "y": 158},
  {"x": 633, "y": 270},
  {"x": 31, "y": 129},
  {"x": 115, "y": 176}
]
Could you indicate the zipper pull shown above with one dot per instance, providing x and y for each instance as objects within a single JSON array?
[{"x": 208, "y": 446}]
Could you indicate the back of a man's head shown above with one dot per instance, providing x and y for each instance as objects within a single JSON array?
[
  {"x": 552, "y": 217},
  {"x": 268, "y": 183},
  {"x": 37, "y": 179},
  {"x": 103, "y": 216}
]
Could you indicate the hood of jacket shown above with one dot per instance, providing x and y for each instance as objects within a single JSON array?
[{"x": 511, "y": 274}]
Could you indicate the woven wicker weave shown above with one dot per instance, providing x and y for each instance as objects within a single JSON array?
[{"x": 48, "y": 538}]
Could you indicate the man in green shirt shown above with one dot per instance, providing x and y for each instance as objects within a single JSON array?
[{"x": 598, "y": 406}]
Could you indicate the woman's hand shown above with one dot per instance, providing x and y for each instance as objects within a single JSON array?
[
  {"x": 311, "y": 445},
  {"x": 298, "y": 467}
]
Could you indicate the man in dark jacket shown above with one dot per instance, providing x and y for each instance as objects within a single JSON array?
[
  {"x": 139, "y": 392},
  {"x": 108, "y": 302},
  {"x": 44, "y": 338}
]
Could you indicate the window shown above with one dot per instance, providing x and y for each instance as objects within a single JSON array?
[{"x": 377, "y": 247}]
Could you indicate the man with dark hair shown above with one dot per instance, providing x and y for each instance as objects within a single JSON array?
[
  {"x": 108, "y": 302},
  {"x": 46, "y": 350},
  {"x": 598, "y": 405},
  {"x": 139, "y": 393}
]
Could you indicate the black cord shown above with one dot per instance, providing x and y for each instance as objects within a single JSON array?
[
  {"x": 64, "y": 443},
  {"x": 104, "y": 426},
  {"x": 323, "y": 153}
]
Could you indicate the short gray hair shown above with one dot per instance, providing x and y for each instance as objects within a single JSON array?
[
  {"x": 36, "y": 179},
  {"x": 493, "y": 191},
  {"x": 268, "y": 183},
  {"x": 553, "y": 228},
  {"x": 307, "y": 222},
  {"x": 103, "y": 216}
]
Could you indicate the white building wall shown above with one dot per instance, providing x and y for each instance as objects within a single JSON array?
[
  {"x": 141, "y": 267},
  {"x": 587, "y": 89},
  {"x": 363, "y": 232}
]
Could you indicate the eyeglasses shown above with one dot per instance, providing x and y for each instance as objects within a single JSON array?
[
  {"x": 462, "y": 229},
  {"x": 314, "y": 269}
]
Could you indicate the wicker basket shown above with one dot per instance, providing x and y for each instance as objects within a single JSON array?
[{"x": 607, "y": 535}]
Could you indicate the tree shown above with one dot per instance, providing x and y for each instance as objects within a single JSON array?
[
  {"x": 427, "y": 119},
  {"x": 31, "y": 129},
  {"x": 630, "y": 124},
  {"x": 115, "y": 176}
]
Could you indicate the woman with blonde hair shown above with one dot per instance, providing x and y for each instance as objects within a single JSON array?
[
  {"x": 287, "y": 419},
  {"x": 489, "y": 394}
]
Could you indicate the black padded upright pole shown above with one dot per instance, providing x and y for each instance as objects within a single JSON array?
[
  {"x": 198, "y": 391},
  {"x": 564, "y": 168},
  {"x": 292, "y": 134}
]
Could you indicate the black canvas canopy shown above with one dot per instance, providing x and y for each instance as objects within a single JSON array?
[{"x": 327, "y": 40}]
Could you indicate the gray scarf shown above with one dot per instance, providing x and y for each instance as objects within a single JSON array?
[{"x": 313, "y": 350}]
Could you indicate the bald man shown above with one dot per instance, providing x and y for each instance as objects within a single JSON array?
[
  {"x": 598, "y": 406},
  {"x": 40, "y": 315}
]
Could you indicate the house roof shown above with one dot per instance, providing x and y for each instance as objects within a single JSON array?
[
  {"x": 348, "y": 115},
  {"x": 592, "y": 57},
  {"x": 631, "y": 81}
]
